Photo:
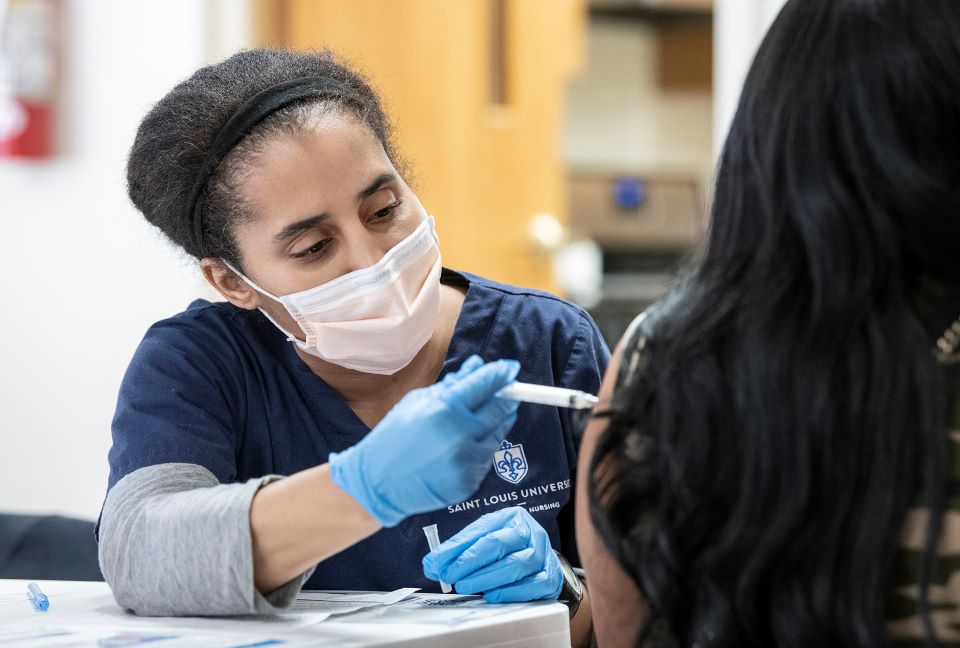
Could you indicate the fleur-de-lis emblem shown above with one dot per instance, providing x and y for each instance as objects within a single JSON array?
[{"x": 509, "y": 462}]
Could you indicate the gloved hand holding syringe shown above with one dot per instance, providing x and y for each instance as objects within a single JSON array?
[{"x": 505, "y": 555}]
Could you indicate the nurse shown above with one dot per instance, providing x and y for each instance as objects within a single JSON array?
[{"x": 302, "y": 432}]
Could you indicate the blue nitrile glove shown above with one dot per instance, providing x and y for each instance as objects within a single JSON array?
[
  {"x": 434, "y": 447},
  {"x": 506, "y": 555}
]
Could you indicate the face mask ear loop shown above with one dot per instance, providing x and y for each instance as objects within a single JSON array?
[
  {"x": 250, "y": 283},
  {"x": 290, "y": 336}
]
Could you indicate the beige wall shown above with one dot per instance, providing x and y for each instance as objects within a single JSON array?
[{"x": 621, "y": 119}]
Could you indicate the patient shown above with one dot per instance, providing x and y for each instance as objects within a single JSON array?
[{"x": 775, "y": 462}]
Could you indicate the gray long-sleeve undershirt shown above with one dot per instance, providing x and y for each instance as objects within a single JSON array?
[{"x": 175, "y": 542}]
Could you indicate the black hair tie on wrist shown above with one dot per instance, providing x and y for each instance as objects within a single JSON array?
[{"x": 253, "y": 111}]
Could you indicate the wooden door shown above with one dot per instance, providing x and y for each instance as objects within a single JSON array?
[{"x": 476, "y": 90}]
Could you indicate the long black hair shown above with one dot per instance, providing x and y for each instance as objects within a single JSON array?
[{"x": 779, "y": 413}]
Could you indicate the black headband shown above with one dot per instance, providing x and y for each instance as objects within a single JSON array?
[{"x": 253, "y": 111}]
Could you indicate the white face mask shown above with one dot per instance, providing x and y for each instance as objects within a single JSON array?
[{"x": 376, "y": 319}]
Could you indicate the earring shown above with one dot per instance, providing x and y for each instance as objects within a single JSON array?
[{"x": 947, "y": 345}]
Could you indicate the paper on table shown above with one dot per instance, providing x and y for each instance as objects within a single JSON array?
[
  {"x": 433, "y": 600},
  {"x": 339, "y": 602},
  {"x": 374, "y": 598},
  {"x": 327, "y": 609},
  {"x": 38, "y": 633},
  {"x": 433, "y": 609},
  {"x": 287, "y": 621}
]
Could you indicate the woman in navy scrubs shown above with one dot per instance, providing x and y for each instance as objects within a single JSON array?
[{"x": 344, "y": 357}]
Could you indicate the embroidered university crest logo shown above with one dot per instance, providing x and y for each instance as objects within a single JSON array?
[{"x": 510, "y": 462}]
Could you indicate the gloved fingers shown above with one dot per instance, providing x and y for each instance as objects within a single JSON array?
[
  {"x": 485, "y": 442},
  {"x": 542, "y": 585},
  {"x": 505, "y": 426},
  {"x": 479, "y": 386},
  {"x": 477, "y": 452},
  {"x": 507, "y": 570},
  {"x": 496, "y": 410},
  {"x": 469, "y": 365},
  {"x": 450, "y": 549},
  {"x": 486, "y": 551},
  {"x": 538, "y": 534}
]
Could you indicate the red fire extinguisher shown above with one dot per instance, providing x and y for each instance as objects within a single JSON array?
[{"x": 28, "y": 69}]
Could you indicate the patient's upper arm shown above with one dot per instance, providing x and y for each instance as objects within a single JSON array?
[{"x": 619, "y": 610}]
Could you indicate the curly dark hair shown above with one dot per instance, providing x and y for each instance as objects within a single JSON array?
[{"x": 175, "y": 135}]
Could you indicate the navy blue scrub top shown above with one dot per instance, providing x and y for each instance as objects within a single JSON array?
[{"x": 221, "y": 387}]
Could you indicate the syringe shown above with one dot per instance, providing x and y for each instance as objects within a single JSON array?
[{"x": 544, "y": 395}]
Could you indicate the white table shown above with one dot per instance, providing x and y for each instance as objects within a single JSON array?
[{"x": 88, "y": 612}]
